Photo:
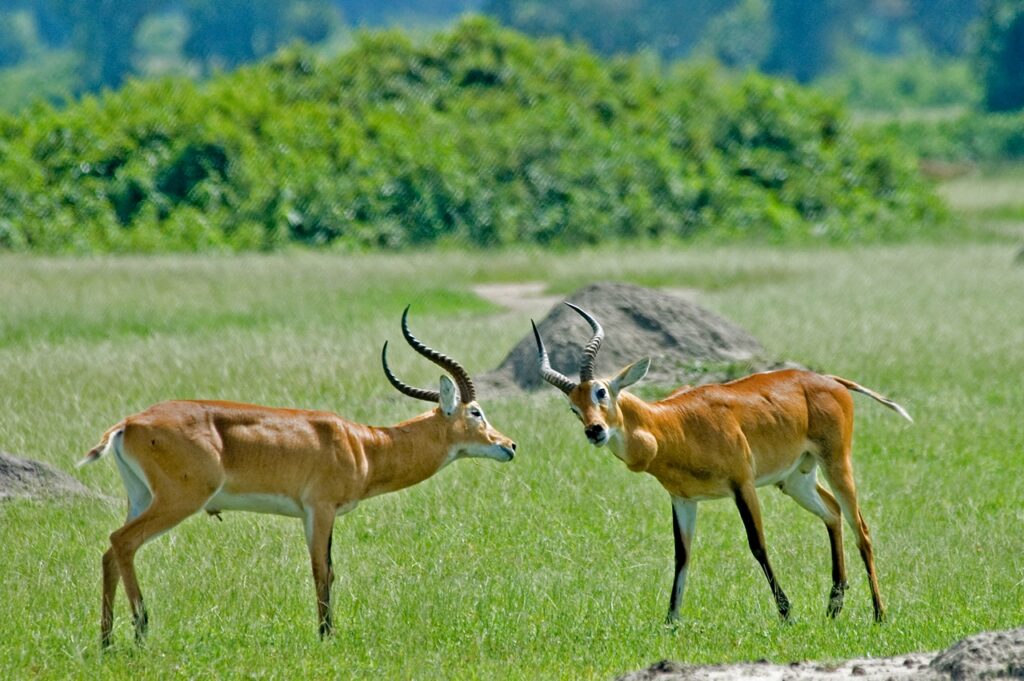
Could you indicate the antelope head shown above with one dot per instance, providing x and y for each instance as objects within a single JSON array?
[
  {"x": 593, "y": 401},
  {"x": 467, "y": 431}
]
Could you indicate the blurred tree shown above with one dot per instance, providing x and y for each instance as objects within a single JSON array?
[
  {"x": 376, "y": 12},
  {"x": 53, "y": 24},
  {"x": 104, "y": 36},
  {"x": 671, "y": 29},
  {"x": 158, "y": 45},
  {"x": 943, "y": 23},
  {"x": 225, "y": 33},
  {"x": 17, "y": 36},
  {"x": 999, "y": 53},
  {"x": 740, "y": 37},
  {"x": 805, "y": 32}
]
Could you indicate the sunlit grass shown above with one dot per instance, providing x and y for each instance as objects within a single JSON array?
[{"x": 556, "y": 565}]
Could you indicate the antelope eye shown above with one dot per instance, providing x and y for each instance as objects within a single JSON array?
[
  {"x": 475, "y": 412},
  {"x": 601, "y": 393}
]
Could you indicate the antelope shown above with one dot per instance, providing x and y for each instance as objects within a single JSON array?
[
  {"x": 179, "y": 457},
  {"x": 724, "y": 441}
]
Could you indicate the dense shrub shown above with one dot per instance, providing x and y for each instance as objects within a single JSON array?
[{"x": 480, "y": 137}]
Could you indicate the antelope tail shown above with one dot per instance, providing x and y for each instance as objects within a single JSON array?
[
  {"x": 103, "y": 446},
  {"x": 850, "y": 385}
]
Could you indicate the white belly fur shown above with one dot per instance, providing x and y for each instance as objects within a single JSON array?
[{"x": 278, "y": 504}]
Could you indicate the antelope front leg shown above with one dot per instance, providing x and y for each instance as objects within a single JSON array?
[
  {"x": 750, "y": 511},
  {"x": 319, "y": 530},
  {"x": 684, "y": 521}
]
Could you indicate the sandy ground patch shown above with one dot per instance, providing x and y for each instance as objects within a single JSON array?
[{"x": 988, "y": 655}]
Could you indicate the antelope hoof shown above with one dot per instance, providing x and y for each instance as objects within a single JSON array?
[
  {"x": 141, "y": 626},
  {"x": 879, "y": 615},
  {"x": 835, "y": 599},
  {"x": 783, "y": 604},
  {"x": 672, "y": 619},
  {"x": 326, "y": 629}
]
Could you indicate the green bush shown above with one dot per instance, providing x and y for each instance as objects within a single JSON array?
[{"x": 482, "y": 137}]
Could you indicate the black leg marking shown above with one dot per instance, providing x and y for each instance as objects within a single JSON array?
[
  {"x": 835, "y": 597},
  {"x": 327, "y": 625},
  {"x": 682, "y": 558},
  {"x": 750, "y": 513}
]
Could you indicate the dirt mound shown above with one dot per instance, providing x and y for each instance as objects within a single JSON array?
[
  {"x": 28, "y": 478},
  {"x": 687, "y": 343},
  {"x": 988, "y": 655}
]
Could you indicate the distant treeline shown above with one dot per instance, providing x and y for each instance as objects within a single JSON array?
[
  {"x": 480, "y": 136},
  {"x": 107, "y": 41}
]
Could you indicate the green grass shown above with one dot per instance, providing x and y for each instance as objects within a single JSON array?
[
  {"x": 556, "y": 565},
  {"x": 990, "y": 199}
]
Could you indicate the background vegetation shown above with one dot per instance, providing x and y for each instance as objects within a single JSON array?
[
  {"x": 482, "y": 137},
  {"x": 479, "y": 137}
]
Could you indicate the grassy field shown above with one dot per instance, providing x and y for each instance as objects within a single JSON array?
[{"x": 556, "y": 565}]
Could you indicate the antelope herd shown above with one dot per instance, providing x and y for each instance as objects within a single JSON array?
[{"x": 180, "y": 457}]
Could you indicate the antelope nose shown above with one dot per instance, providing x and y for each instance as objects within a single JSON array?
[
  {"x": 513, "y": 446},
  {"x": 594, "y": 432}
]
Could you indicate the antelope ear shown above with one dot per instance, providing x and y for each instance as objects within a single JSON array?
[
  {"x": 630, "y": 375},
  {"x": 449, "y": 398}
]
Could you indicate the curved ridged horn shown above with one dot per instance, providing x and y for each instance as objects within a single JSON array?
[
  {"x": 560, "y": 381},
  {"x": 467, "y": 393},
  {"x": 418, "y": 393},
  {"x": 592, "y": 346}
]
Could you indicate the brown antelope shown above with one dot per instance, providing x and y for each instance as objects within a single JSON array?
[
  {"x": 177, "y": 458},
  {"x": 716, "y": 441}
]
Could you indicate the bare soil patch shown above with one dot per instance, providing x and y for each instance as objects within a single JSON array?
[
  {"x": 988, "y": 655},
  {"x": 530, "y": 296},
  {"x": 686, "y": 342}
]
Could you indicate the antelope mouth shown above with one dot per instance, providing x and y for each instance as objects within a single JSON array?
[{"x": 600, "y": 440}]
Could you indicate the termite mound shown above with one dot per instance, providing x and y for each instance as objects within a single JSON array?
[{"x": 687, "y": 343}]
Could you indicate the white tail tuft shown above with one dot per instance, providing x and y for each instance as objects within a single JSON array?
[
  {"x": 899, "y": 410},
  {"x": 103, "y": 447}
]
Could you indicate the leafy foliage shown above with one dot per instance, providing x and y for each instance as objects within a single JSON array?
[{"x": 481, "y": 137}]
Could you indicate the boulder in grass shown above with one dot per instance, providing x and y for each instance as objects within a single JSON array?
[
  {"x": 686, "y": 342},
  {"x": 27, "y": 478}
]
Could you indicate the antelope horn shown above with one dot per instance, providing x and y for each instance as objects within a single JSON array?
[
  {"x": 560, "y": 381},
  {"x": 467, "y": 393},
  {"x": 592, "y": 346},
  {"x": 418, "y": 393}
]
